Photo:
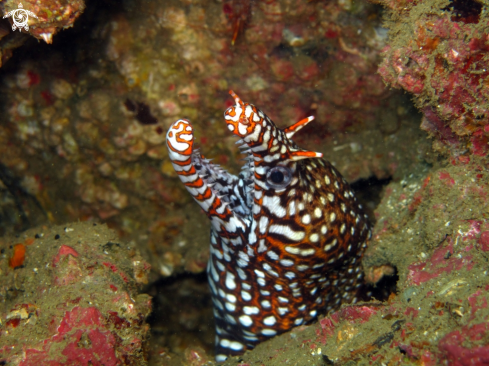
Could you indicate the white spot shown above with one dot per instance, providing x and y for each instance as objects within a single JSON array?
[
  {"x": 343, "y": 207},
  {"x": 342, "y": 229},
  {"x": 241, "y": 273},
  {"x": 252, "y": 235},
  {"x": 290, "y": 275},
  {"x": 243, "y": 259},
  {"x": 286, "y": 262},
  {"x": 331, "y": 197},
  {"x": 292, "y": 208},
  {"x": 236, "y": 346},
  {"x": 306, "y": 219},
  {"x": 230, "y": 319},
  {"x": 230, "y": 284},
  {"x": 230, "y": 307},
  {"x": 220, "y": 266},
  {"x": 318, "y": 212},
  {"x": 231, "y": 297},
  {"x": 278, "y": 287},
  {"x": 298, "y": 321},
  {"x": 224, "y": 343},
  {"x": 270, "y": 321},
  {"x": 292, "y": 250},
  {"x": 221, "y": 358},
  {"x": 245, "y": 320},
  {"x": 259, "y": 273},
  {"x": 314, "y": 238},
  {"x": 250, "y": 310},
  {"x": 324, "y": 229},
  {"x": 352, "y": 231},
  {"x": 331, "y": 245},
  {"x": 263, "y": 224},
  {"x": 313, "y": 291},
  {"x": 332, "y": 217},
  {"x": 261, "y": 246},
  {"x": 283, "y": 299},
  {"x": 261, "y": 281},
  {"x": 274, "y": 255},
  {"x": 268, "y": 332},
  {"x": 245, "y": 295},
  {"x": 266, "y": 304},
  {"x": 302, "y": 267},
  {"x": 313, "y": 313},
  {"x": 302, "y": 307},
  {"x": 283, "y": 311},
  {"x": 218, "y": 304},
  {"x": 327, "y": 180}
]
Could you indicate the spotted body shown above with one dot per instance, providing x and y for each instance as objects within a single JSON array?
[{"x": 287, "y": 234}]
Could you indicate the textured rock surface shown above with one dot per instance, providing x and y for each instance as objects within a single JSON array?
[
  {"x": 438, "y": 52},
  {"x": 70, "y": 296}
]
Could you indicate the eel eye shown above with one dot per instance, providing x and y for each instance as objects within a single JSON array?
[{"x": 279, "y": 177}]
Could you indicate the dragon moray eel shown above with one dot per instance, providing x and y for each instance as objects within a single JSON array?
[{"x": 287, "y": 234}]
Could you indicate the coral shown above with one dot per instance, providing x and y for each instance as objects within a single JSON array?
[
  {"x": 73, "y": 298},
  {"x": 438, "y": 52},
  {"x": 50, "y": 15}
]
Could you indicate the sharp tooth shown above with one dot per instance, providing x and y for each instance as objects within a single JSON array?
[{"x": 240, "y": 141}]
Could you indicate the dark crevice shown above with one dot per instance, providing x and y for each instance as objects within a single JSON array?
[
  {"x": 465, "y": 11},
  {"x": 384, "y": 288},
  {"x": 369, "y": 193},
  {"x": 182, "y": 310}
]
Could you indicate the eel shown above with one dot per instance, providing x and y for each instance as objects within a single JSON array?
[{"x": 287, "y": 233}]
